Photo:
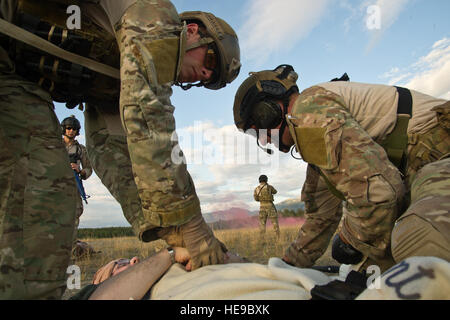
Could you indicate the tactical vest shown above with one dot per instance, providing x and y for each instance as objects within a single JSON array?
[
  {"x": 76, "y": 156},
  {"x": 265, "y": 193},
  {"x": 65, "y": 81}
]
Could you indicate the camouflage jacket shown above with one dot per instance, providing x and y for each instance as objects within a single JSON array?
[
  {"x": 151, "y": 40},
  {"x": 337, "y": 128}
]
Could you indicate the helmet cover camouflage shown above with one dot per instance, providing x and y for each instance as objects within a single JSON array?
[
  {"x": 258, "y": 89},
  {"x": 71, "y": 122},
  {"x": 226, "y": 42}
]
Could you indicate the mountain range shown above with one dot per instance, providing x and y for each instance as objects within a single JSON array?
[{"x": 243, "y": 218}]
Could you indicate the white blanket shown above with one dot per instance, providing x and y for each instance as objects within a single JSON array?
[
  {"x": 414, "y": 278},
  {"x": 424, "y": 278}
]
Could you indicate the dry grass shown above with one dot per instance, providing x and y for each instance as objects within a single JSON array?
[{"x": 246, "y": 242}]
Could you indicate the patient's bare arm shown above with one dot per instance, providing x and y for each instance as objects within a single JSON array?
[{"x": 135, "y": 281}]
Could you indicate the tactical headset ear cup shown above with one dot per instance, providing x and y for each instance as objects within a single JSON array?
[
  {"x": 277, "y": 84},
  {"x": 266, "y": 114}
]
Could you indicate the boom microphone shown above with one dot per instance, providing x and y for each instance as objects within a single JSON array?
[{"x": 269, "y": 151}]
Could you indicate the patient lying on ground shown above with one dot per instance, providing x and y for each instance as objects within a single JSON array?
[{"x": 158, "y": 278}]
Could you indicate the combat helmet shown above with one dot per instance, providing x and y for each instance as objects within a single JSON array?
[
  {"x": 263, "y": 178},
  {"x": 222, "y": 35},
  {"x": 71, "y": 122},
  {"x": 252, "y": 100}
]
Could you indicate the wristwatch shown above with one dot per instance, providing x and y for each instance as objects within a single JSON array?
[{"x": 172, "y": 254}]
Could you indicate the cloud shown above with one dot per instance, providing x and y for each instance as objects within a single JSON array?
[
  {"x": 102, "y": 210},
  {"x": 380, "y": 16},
  {"x": 433, "y": 71},
  {"x": 233, "y": 174},
  {"x": 272, "y": 26},
  {"x": 225, "y": 165},
  {"x": 355, "y": 13},
  {"x": 429, "y": 74}
]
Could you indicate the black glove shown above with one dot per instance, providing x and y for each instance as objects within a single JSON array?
[{"x": 344, "y": 253}]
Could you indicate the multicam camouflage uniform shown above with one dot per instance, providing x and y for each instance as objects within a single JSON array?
[
  {"x": 149, "y": 37},
  {"x": 264, "y": 194},
  {"x": 86, "y": 171},
  {"x": 157, "y": 194},
  {"x": 154, "y": 192},
  {"x": 37, "y": 191},
  {"x": 338, "y": 128}
]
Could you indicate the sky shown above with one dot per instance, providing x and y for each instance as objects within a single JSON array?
[{"x": 395, "y": 42}]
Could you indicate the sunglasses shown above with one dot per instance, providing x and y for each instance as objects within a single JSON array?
[
  {"x": 71, "y": 128},
  {"x": 211, "y": 61}
]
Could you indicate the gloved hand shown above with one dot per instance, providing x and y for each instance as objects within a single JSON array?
[
  {"x": 344, "y": 252},
  {"x": 197, "y": 237}
]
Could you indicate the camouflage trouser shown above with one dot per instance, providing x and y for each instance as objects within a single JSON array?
[
  {"x": 424, "y": 229},
  {"x": 78, "y": 213},
  {"x": 37, "y": 192},
  {"x": 110, "y": 159},
  {"x": 267, "y": 210}
]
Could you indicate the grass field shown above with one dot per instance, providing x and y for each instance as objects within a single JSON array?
[{"x": 245, "y": 242}]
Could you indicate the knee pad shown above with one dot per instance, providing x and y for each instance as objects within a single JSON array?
[{"x": 415, "y": 236}]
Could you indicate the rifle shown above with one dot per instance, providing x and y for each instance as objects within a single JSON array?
[{"x": 73, "y": 159}]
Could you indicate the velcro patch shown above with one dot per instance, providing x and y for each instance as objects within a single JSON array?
[
  {"x": 312, "y": 145},
  {"x": 317, "y": 139},
  {"x": 165, "y": 55}
]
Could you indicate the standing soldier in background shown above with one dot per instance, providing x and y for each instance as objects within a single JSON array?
[
  {"x": 129, "y": 122},
  {"x": 79, "y": 160},
  {"x": 264, "y": 194}
]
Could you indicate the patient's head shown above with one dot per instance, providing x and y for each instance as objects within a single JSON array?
[{"x": 112, "y": 268}]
